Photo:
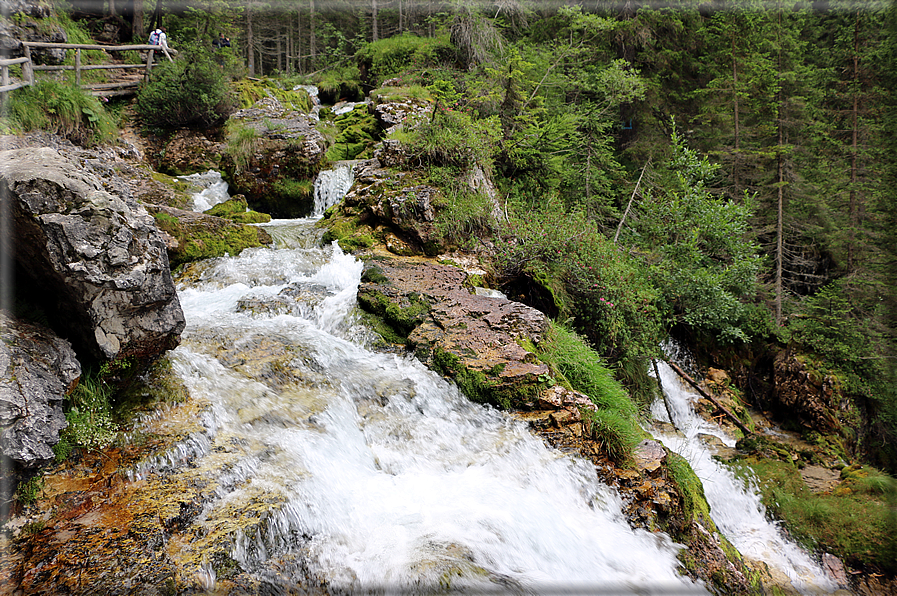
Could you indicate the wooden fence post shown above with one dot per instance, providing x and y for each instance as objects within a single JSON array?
[
  {"x": 78, "y": 67},
  {"x": 27, "y": 71}
]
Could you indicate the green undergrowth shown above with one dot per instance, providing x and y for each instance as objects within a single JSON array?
[
  {"x": 854, "y": 521},
  {"x": 64, "y": 109},
  {"x": 407, "y": 53},
  {"x": 89, "y": 417},
  {"x": 614, "y": 424}
]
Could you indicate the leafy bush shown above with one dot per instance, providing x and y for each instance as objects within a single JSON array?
[
  {"x": 191, "y": 91},
  {"x": 391, "y": 57},
  {"x": 64, "y": 109},
  {"x": 610, "y": 297},
  {"x": 454, "y": 138}
]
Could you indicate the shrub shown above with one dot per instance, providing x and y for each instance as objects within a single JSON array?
[
  {"x": 606, "y": 291},
  {"x": 64, "y": 109},
  {"x": 390, "y": 57},
  {"x": 454, "y": 138},
  {"x": 191, "y": 91}
]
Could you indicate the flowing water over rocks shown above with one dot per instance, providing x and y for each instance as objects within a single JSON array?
[
  {"x": 734, "y": 506},
  {"x": 304, "y": 462}
]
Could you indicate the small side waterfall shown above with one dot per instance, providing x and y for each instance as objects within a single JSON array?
[
  {"x": 331, "y": 186},
  {"x": 735, "y": 507},
  {"x": 214, "y": 190}
]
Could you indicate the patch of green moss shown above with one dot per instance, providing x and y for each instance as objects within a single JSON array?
[
  {"x": 236, "y": 209},
  {"x": 249, "y": 91},
  {"x": 855, "y": 521},
  {"x": 349, "y": 234},
  {"x": 404, "y": 318},
  {"x": 203, "y": 242},
  {"x": 358, "y": 131}
]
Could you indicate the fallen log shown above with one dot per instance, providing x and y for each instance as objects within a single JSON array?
[{"x": 698, "y": 388}]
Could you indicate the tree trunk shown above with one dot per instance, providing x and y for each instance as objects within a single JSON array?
[
  {"x": 250, "y": 42},
  {"x": 312, "y": 41},
  {"x": 853, "y": 199},
  {"x": 780, "y": 178},
  {"x": 375, "y": 34},
  {"x": 737, "y": 130}
]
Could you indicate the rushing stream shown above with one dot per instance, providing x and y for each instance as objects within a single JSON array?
[
  {"x": 365, "y": 469},
  {"x": 734, "y": 506}
]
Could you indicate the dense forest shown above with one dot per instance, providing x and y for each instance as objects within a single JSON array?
[{"x": 718, "y": 171}]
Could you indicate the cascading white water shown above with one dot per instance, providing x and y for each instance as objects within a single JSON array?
[
  {"x": 214, "y": 190},
  {"x": 735, "y": 507},
  {"x": 374, "y": 471},
  {"x": 331, "y": 186}
]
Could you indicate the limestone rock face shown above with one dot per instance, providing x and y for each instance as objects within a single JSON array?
[
  {"x": 25, "y": 28},
  {"x": 805, "y": 393},
  {"x": 94, "y": 259},
  {"x": 37, "y": 370},
  {"x": 472, "y": 338},
  {"x": 392, "y": 114}
]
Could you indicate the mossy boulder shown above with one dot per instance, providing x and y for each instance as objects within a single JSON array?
[
  {"x": 194, "y": 236},
  {"x": 236, "y": 209},
  {"x": 472, "y": 339},
  {"x": 272, "y": 156}
]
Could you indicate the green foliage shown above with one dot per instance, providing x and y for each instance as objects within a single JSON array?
[
  {"x": 241, "y": 143},
  {"x": 578, "y": 366},
  {"x": 339, "y": 82},
  {"x": 455, "y": 138},
  {"x": 28, "y": 491},
  {"x": 613, "y": 301},
  {"x": 191, "y": 91},
  {"x": 855, "y": 521},
  {"x": 706, "y": 262},
  {"x": 394, "y": 56},
  {"x": 89, "y": 415},
  {"x": 64, "y": 109},
  {"x": 293, "y": 190},
  {"x": 616, "y": 433},
  {"x": 462, "y": 215}
]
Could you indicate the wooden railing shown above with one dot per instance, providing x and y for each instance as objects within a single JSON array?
[{"x": 100, "y": 89}]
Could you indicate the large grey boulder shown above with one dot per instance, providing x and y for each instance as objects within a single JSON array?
[
  {"x": 93, "y": 258},
  {"x": 37, "y": 370}
]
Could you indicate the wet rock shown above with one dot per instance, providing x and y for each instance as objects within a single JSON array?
[
  {"x": 472, "y": 338},
  {"x": 649, "y": 456},
  {"x": 835, "y": 568},
  {"x": 805, "y": 393},
  {"x": 37, "y": 371},
  {"x": 94, "y": 258}
]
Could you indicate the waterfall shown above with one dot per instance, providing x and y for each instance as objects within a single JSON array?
[
  {"x": 331, "y": 186},
  {"x": 735, "y": 506},
  {"x": 374, "y": 472},
  {"x": 213, "y": 190}
]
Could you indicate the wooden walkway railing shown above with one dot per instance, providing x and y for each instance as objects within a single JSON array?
[{"x": 126, "y": 87}]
